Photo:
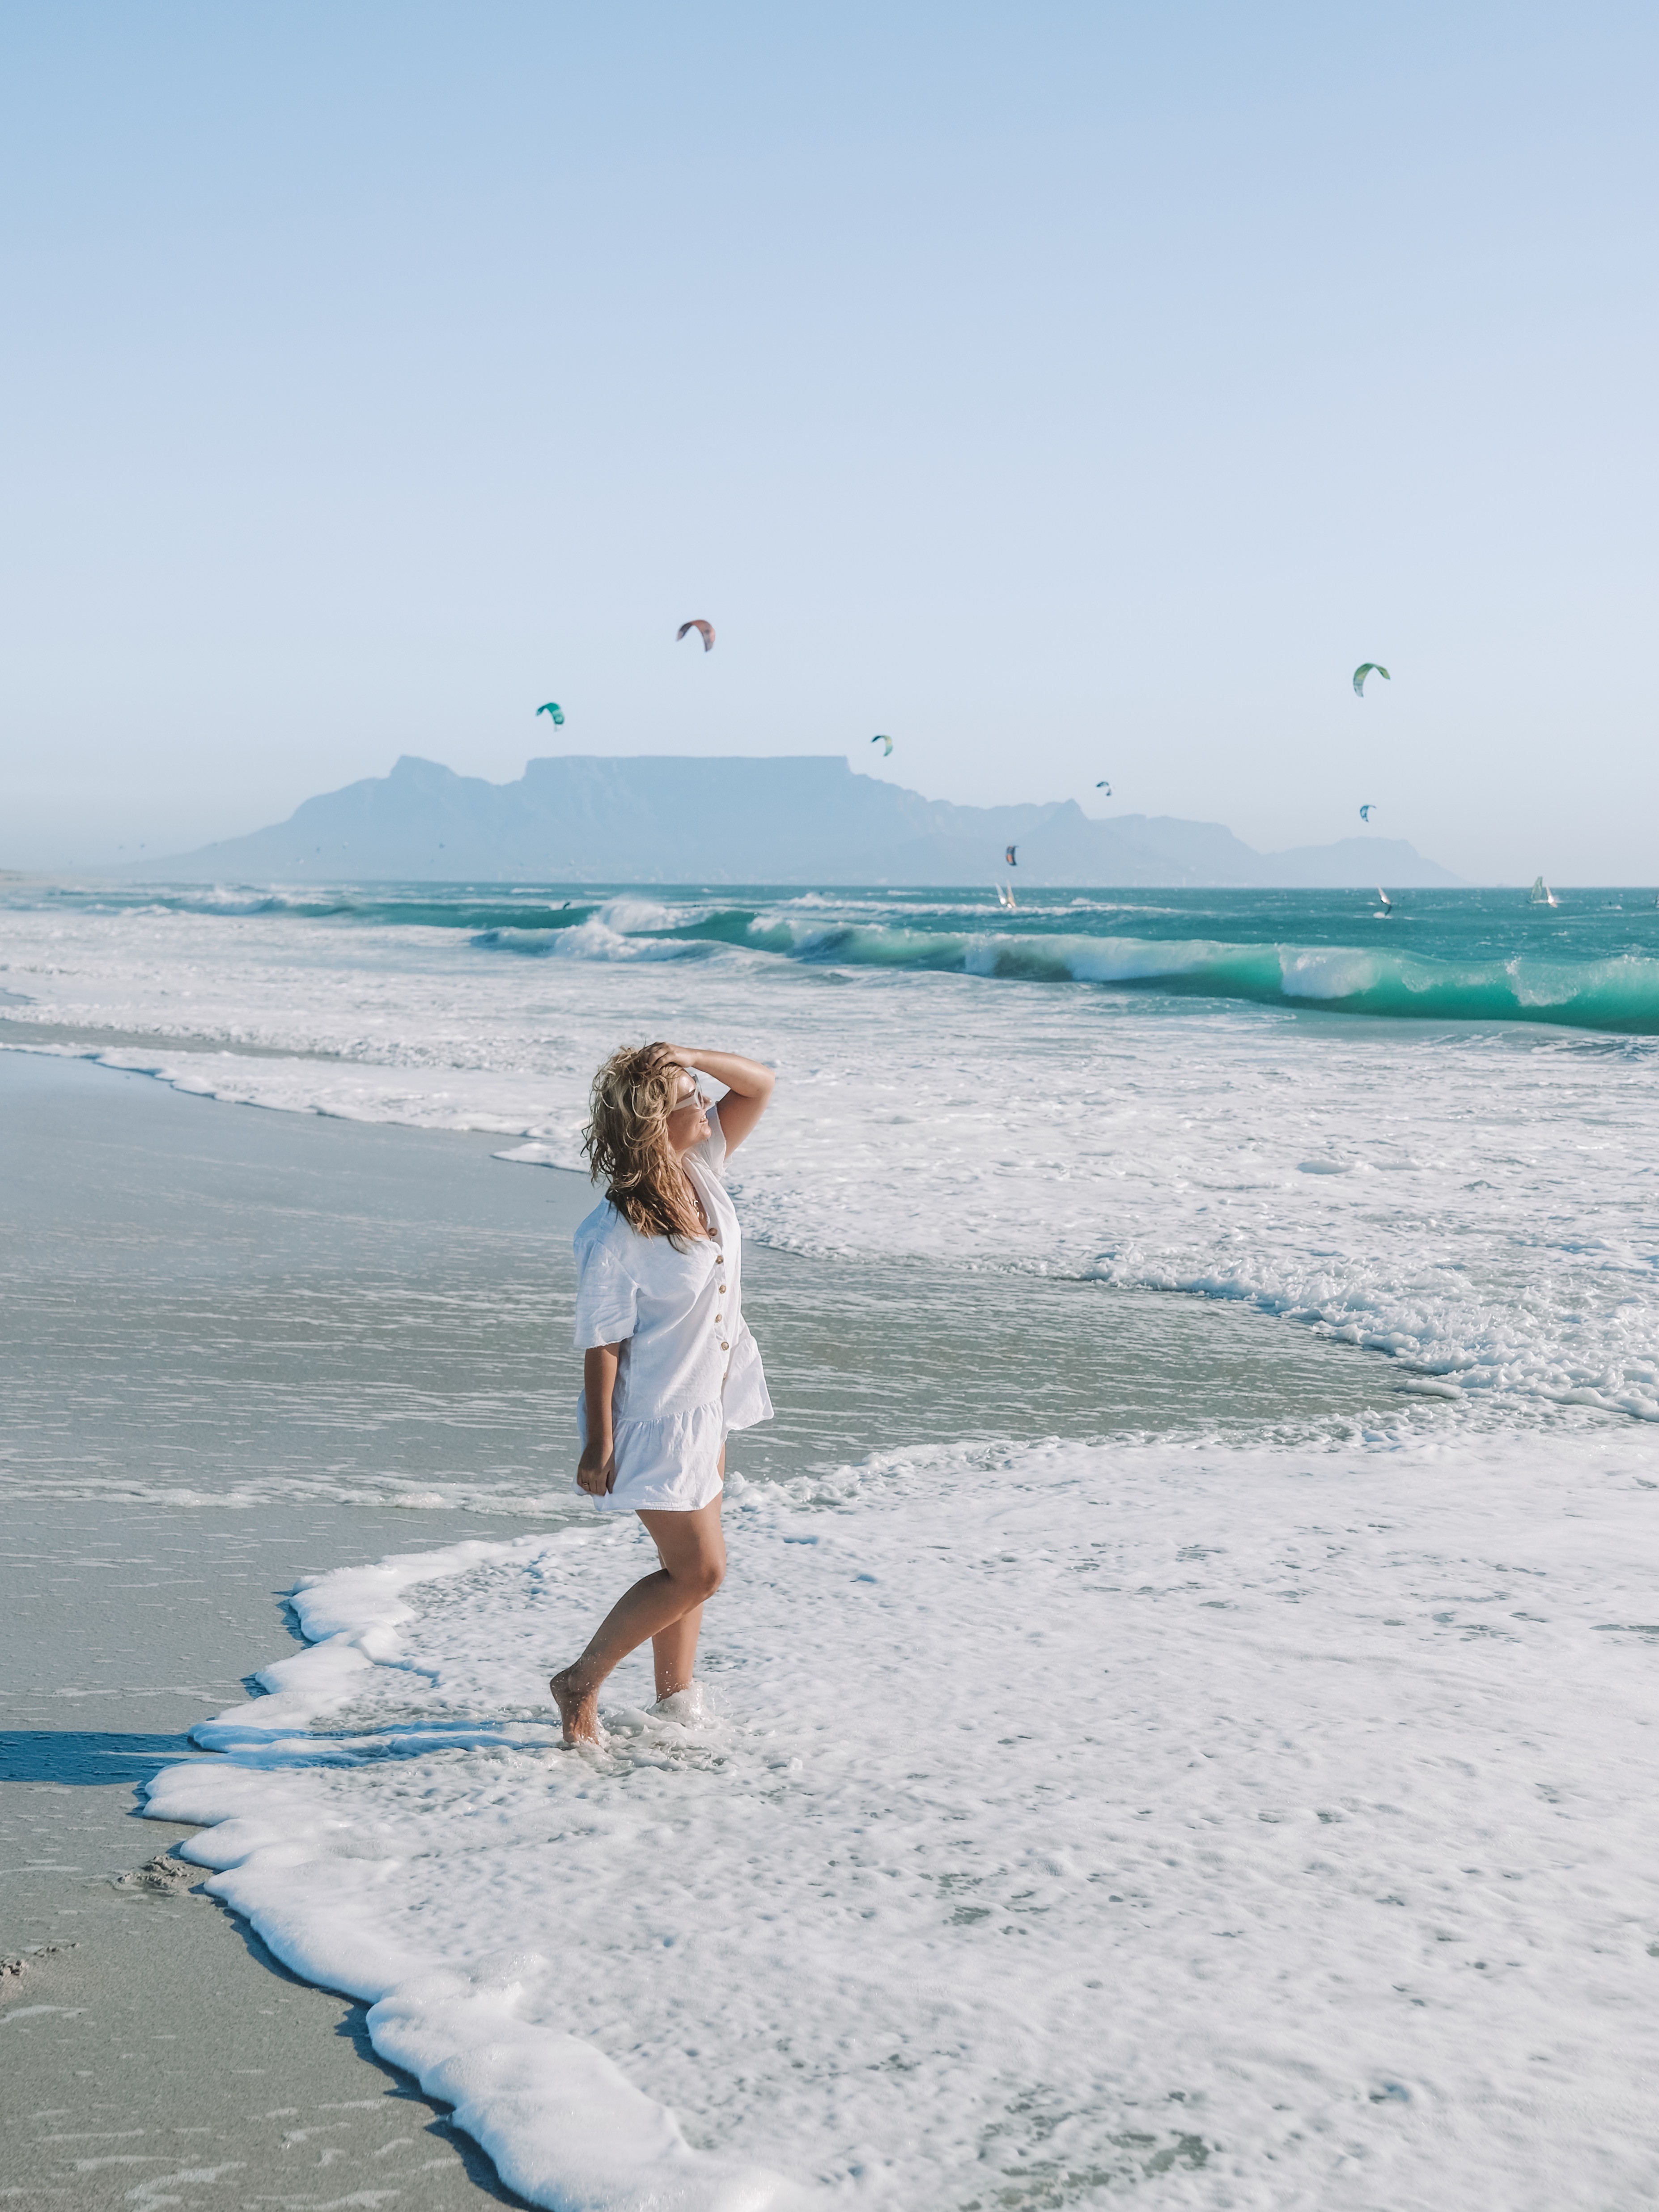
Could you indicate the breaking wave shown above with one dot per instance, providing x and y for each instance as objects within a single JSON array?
[{"x": 1619, "y": 993}]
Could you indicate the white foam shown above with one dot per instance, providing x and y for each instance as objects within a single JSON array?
[
  {"x": 598, "y": 939},
  {"x": 1272, "y": 1824},
  {"x": 1493, "y": 1222},
  {"x": 630, "y": 912}
]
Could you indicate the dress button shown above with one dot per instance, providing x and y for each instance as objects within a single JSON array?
[{"x": 725, "y": 1347}]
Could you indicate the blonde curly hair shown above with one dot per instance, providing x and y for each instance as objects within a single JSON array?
[{"x": 626, "y": 1142}]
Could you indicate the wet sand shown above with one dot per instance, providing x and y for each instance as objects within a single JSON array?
[
  {"x": 245, "y": 1346},
  {"x": 172, "y": 1265}
]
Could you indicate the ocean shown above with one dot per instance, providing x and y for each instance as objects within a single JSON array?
[
  {"x": 1236, "y": 1801},
  {"x": 1433, "y": 1135}
]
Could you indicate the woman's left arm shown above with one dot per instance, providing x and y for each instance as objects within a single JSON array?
[{"x": 748, "y": 1088}]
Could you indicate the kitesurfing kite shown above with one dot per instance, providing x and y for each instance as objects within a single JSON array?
[
  {"x": 707, "y": 629},
  {"x": 1369, "y": 668},
  {"x": 1366, "y": 812},
  {"x": 880, "y": 740},
  {"x": 1106, "y": 787},
  {"x": 554, "y": 709},
  {"x": 1009, "y": 856}
]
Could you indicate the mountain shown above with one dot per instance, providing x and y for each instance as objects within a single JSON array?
[{"x": 673, "y": 820}]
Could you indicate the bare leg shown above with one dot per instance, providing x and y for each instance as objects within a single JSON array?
[
  {"x": 692, "y": 1549},
  {"x": 674, "y": 1653},
  {"x": 675, "y": 1649}
]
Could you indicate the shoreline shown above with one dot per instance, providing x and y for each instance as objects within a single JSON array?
[
  {"x": 204, "y": 1289},
  {"x": 148, "y": 2013}
]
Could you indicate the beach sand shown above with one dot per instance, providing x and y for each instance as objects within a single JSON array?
[
  {"x": 247, "y": 1347},
  {"x": 182, "y": 1281}
]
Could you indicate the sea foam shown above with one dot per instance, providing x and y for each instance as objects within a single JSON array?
[
  {"x": 1480, "y": 1202},
  {"x": 1269, "y": 1825}
]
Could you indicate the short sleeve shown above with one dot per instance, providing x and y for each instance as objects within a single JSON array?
[{"x": 607, "y": 1300}]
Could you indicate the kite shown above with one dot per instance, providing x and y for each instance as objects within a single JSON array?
[
  {"x": 1009, "y": 856},
  {"x": 554, "y": 709},
  {"x": 880, "y": 740},
  {"x": 1366, "y": 812},
  {"x": 1106, "y": 787},
  {"x": 707, "y": 629},
  {"x": 1365, "y": 669}
]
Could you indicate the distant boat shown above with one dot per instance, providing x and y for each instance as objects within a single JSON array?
[{"x": 1543, "y": 895}]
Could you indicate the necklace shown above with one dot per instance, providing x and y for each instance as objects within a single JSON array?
[{"x": 702, "y": 1211}]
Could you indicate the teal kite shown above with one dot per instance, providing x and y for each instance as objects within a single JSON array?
[
  {"x": 880, "y": 740},
  {"x": 554, "y": 709},
  {"x": 1369, "y": 668}
]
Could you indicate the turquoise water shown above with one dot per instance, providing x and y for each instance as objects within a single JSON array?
[{"x": 1592, "y": 961}]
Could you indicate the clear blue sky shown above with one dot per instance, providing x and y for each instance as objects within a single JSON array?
[{"x": 1070, "y": 390}]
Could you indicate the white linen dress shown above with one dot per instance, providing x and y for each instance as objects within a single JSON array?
[{"x": 689, "y": 1368}]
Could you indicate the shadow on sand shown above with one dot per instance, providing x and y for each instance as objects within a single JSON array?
[{"x": 88, "y": 1756}]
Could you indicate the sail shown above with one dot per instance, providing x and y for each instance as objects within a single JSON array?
[{"x": 1542, "y": 894}]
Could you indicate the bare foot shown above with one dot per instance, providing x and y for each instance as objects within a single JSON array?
[{"x": 578, "y": 1709}]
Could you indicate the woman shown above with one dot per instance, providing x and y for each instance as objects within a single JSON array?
[{"x": 669, "y": 1366}]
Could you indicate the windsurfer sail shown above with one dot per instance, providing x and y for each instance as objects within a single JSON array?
[{"x": 1542, "y": 895}]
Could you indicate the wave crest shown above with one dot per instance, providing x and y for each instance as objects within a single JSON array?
[{"x": 1619, "y": 994}]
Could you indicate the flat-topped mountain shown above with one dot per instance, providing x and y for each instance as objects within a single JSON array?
[{"x": 669, "y": 819}]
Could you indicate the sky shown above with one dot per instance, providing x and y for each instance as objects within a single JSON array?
[{"x": 1068, "y": 391}]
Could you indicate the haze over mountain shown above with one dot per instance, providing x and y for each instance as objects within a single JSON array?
[{"x": 673, "y": 819}]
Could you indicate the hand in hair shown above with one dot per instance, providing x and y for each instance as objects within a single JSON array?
[
  {"x": 749, "y": 1086},
  {"x": 628, "y": 1144}
]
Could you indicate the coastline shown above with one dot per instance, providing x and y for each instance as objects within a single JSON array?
[{"x": 257, "y": 1345}]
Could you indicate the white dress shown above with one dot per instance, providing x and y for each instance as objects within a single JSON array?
[{"x": 689, "y": 1370}]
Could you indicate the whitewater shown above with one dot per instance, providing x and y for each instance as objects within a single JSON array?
[
  {"x": 1476, "y": 1197},
  {"x": 1254, "y": 1829}
]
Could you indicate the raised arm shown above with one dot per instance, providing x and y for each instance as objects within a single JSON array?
[{"x": 748, "y": 1085}]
